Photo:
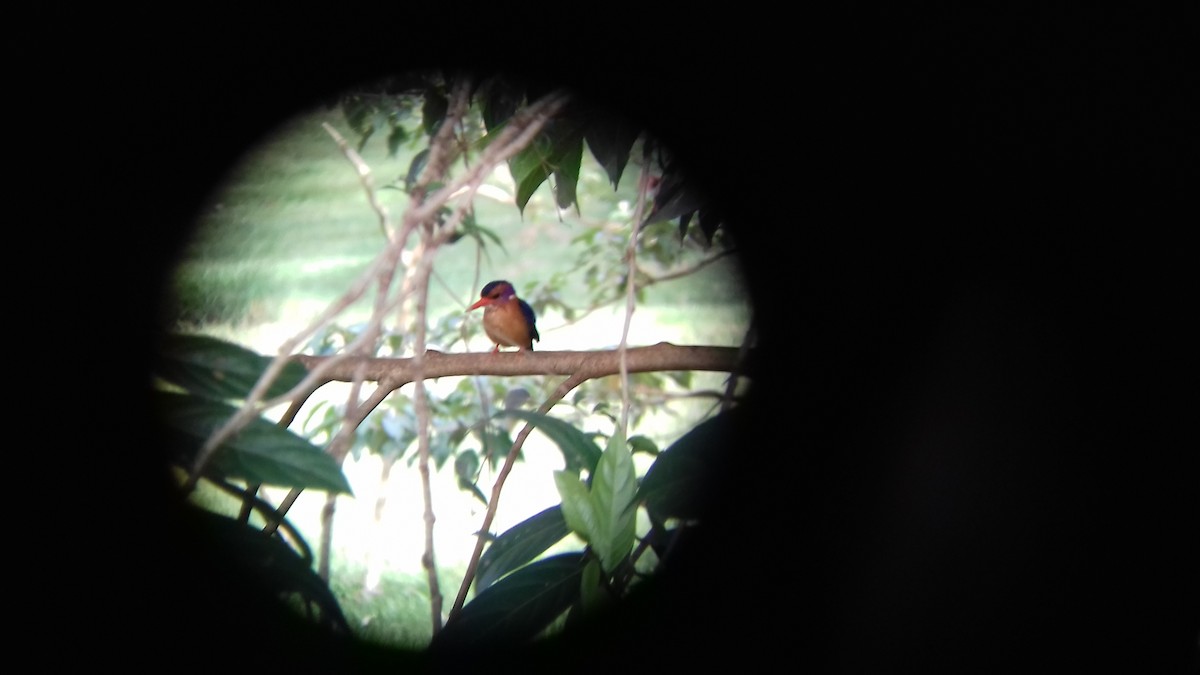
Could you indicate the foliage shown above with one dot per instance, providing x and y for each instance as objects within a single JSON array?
[
  {"x": 625, "y": 520},
  {"x": 556, "y": 153},
  {"x": 600, "y": 509},
  {"x": 198, "y": 376},
  {"x": 210, "y": 372}
]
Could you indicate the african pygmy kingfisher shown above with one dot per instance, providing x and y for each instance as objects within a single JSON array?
[{"x": 507, "y": 319}]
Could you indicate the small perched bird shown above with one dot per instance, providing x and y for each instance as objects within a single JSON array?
[{"x": 507, "y": 319}]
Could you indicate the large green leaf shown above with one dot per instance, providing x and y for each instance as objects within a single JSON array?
[
  {"x": 610, "y": 138},
  {"x": 577, "y": 508},
  {"x": 520, "y": 544},
  {"x": 612, "y": 493},
  {"x": 516, "y": 608},
  {"x": 530, "y": 168},
  {"x": 498, "y": 99},
  {"x": 566, "y": 174},
  {"x": 433, "y": 112},
  {"x": 557, "y": 149},
  {"x": 601, "y": 514},
  {"x": 261, "y": 452},
  {"x": 579, "y": 451},
  {"x": 674, "y": 486},
  {"x": 272, "y": 564},
  {"x": 211, "y": 367}
]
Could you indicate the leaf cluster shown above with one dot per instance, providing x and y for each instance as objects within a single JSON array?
[
  {"x": 199, "y": 379},
  {"x": 555, "y": 155},
  {"x": 521, "y": 593}
]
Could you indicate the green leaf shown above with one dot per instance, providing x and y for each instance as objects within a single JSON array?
[
  {"x": 579, "y": 451},
  {"x": 211, "y": 367},
  {"x": 674, "y": 486},
  {"x": 261, "y": 452},
  {"x": 556, "y": 148},
  {"x": 516, "y": 608},
  {"x": 520, "y": 544},
  {"x": 529, "y": 171},
  {"x": 643, "y": 444},
  {"x": 496, "y": 444},
  {"x": 469, "y": 228},
  {"x": 358, "y": 114},
  {"x": 566, "y": 175},
  {"x": 466, "y": 466},
  {"x": 362, "y": 140},
  {"x": 415, "y": 167},
  {"x": 498, "y": 99},
  {"x": 683, "y": 378},
  {"x": 577, "y": 508},
  {"x": 273, "y": 565},
  {"x": 591, "y": 591},
  {"x": 395, "y": 139},
  {"x": 610, "y": 138},
  {"x": 613, "y": 491},
  {"x": 434, "y": 110}
]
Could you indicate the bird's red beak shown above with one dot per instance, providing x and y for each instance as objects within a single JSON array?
[{"x": 480, "y": 303}]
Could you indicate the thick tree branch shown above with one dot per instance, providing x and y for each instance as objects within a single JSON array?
[{"x": 589, "y": 364}]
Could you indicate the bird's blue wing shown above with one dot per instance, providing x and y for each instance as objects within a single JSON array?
[{"x": 530, "y": 318}]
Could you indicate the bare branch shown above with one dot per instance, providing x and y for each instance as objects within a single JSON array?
[
  {"x": 364, "y": 176},
  {"x": 591, "y": 364},
  {"x": 340, "y": 445},
  {"x": 684, "y": 272},
  {"x": 521, "y": 130},
  {"x": 631, "y": 291}
]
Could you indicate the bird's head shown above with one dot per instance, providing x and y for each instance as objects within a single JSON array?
[{"x": 494, "y": 292}]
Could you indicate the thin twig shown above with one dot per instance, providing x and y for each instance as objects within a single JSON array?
[
  {"x": 562, "y": 390},
  {"x": 285, "y": 421},
  {"x": 526, "y": 124},
  {"x": 337, "y": 449},
  {"x": 364, "y": 176},
  {"x": 268, "y": 513},
  {"x": 340, "y": 444},
  {"x": 631, "y": 292}
]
